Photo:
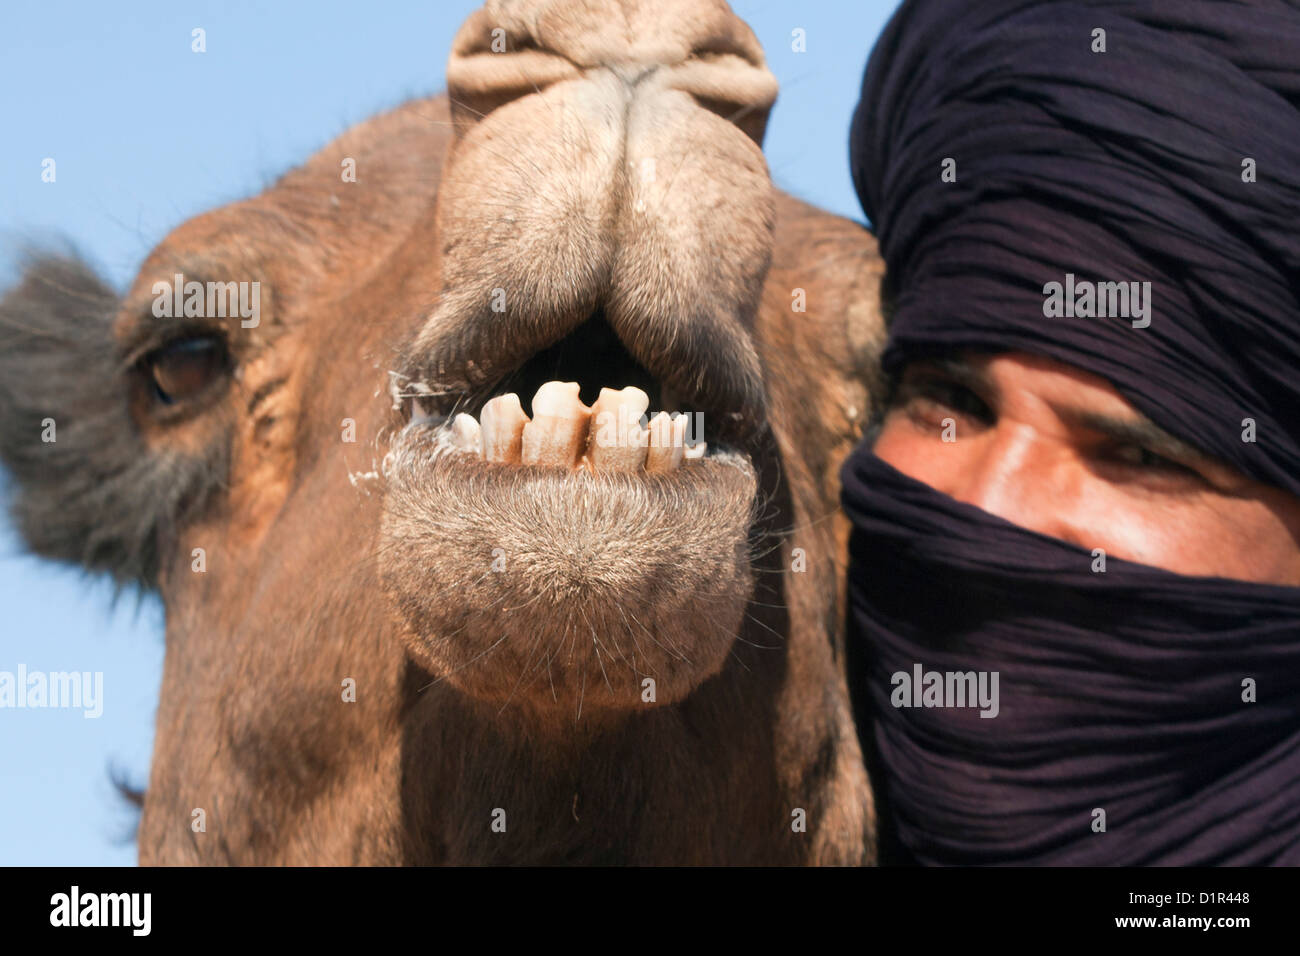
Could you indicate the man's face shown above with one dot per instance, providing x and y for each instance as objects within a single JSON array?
[{"x": 1058, "y": 451}]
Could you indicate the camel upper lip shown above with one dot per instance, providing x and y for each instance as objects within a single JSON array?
[{"x": 478, "y": 361}]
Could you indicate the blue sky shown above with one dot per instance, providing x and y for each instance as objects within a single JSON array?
[{"x": 146, "y": 134}]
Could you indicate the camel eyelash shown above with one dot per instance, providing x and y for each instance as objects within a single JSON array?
[{"x": 150, "y": 333}]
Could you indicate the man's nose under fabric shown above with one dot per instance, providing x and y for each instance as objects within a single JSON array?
[{"x": 1166, "y": 702}]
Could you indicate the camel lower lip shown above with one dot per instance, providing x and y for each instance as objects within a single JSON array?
[
  {"x": 444, "y": 493},
  {"x": 537, "y": 568}
]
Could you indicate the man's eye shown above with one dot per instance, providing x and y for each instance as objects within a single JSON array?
[
  {"x": 929, "y": 398},
  {"x": 1139, "y": 457},
  {"x": 184, "y": 368}
]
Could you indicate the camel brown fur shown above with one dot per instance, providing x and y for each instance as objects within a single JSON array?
[{"x": 380, "y": 649}]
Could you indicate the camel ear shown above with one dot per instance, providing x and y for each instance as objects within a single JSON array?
[{"x": 66, "y": 437}]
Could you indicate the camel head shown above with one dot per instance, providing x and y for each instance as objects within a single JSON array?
[{"x": 488, "y": 460}]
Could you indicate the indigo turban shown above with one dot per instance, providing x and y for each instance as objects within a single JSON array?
[
  {"x": 1009, "y": 152},
  {"x": 1124, "y": 166}
]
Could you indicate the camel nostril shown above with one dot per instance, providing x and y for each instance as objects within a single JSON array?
[
  {"x": 718, "y": 45},
  {"x": 479, "y": 83},
  {"x": 492, "y": 65},
  {"x": 730, "y": 86}
]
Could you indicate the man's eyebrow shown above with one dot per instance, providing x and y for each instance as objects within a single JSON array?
[
  {"x": 1140, "y": 431},
  {"x": 960, "y": 371}
]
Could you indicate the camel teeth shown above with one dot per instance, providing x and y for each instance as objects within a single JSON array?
[
  {"x": 613, "y": 435},
  {"x": 466, "y": 434},
  {"x": 616, "y": 441},
  {"x": 503, "y": 423},
  {"x": 667, "y": 443},
  {"x": 557, "y": 435}
]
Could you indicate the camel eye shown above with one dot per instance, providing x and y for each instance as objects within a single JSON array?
[{"x": 182, "y": 369}]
